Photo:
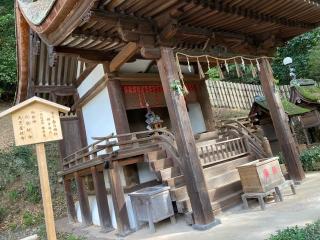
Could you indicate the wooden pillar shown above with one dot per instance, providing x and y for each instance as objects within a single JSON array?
[
  {"x": 266, "y": 147},
  {"x": 118, "y": 199},
  {"x": 206, "y": 107},
  {"x": 192, "y": 169},
  {"x": 72, "y": 215},
  {"x": 280, "y": 123},
  {"x": 118, "y": 106},
  {"x": 83, "y": 200},
  {"x": 102, "y": 199},
  {"x": 122, "y": 126}
]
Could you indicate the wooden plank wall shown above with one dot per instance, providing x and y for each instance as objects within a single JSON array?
[{"x": 237, "y": 95}]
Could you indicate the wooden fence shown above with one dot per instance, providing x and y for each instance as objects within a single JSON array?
[{"x": 237, "y": 95}]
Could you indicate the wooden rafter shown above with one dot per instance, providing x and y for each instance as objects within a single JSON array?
[{"x": 123, "y": 56}]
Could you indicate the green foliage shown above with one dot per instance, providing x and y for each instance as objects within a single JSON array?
[
  {"x": 3, "y": 214},
  {"x": 310, "y": 159},
  {"x": 310, "y": 232},
  {"x": 232, "y": 76},
  {"x": 314, "y": 63},
  {"x": 303, "y": 52},
  {"x": 33, "y": 194},
  {"x": 18, "y": 162},
  {"x": 7, "y": 50},
  {"x": 13, "y": 195},
  {"x": 31, "y": 219}
]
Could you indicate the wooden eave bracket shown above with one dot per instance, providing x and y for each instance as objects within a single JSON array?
[{"x": 123, "y": 56}]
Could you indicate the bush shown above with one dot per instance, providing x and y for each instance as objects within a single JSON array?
[
  {"x": 33, "y": 192},
  {"x": 32, "y": 219},
  {"x": 309, "y": 232},
  {"x": 310, "y": 159}
]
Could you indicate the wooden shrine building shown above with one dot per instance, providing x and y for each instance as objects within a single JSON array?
[{"x": 112, "y": 61}]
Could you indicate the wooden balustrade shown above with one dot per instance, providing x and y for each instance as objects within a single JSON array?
[{"x": 213, "y": 152}]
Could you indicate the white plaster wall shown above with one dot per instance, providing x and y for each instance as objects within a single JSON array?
[
  {"x": 98, "y": 118},
  {"x": 196, "y": 118},
  {"x": 95, "y": 214},
  {"x": 96, "y": 74}
]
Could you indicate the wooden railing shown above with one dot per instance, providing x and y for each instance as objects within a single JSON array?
[
  {"x": 116, "y": 147},
  {"x": 214, "y": 151},
  {"x": 255, "y": 144}
]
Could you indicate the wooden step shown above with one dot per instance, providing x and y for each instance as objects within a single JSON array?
[
  {"x": 175, "y": 182},
  {"x": 223, "y": 179},
  {"x": 169, "y": 173},
  {"x": 184, "y": 205},
  {"x": 224, "y": 167},
  {"x": 155, "y": 155},
  {"x": 160, "y": 164},
  {"x": 228, "y": 189},
  {"x": 178, "y": 194},
  {"x": 226, "y": 202}
]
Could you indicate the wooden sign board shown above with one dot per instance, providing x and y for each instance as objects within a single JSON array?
[{"x": 36, "y": 121}]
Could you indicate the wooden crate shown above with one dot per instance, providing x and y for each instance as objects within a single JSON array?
[{"x": 261, "y": 175}]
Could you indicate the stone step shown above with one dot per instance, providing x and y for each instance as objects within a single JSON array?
[{"x": 160, "y": 164}]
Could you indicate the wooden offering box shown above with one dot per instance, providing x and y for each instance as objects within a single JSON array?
[{"x": 261, "y": 175}]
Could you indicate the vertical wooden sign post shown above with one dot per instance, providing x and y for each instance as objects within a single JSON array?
[{"x": 36, "y": 121}]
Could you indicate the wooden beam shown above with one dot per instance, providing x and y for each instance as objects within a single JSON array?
[
  {"x": 149, "y": 77},
  {"x": 102, "y": 199},
  {"x": 205, "y": 103},
  {"x": 84, "y": 75},
  {"x": 280, "y": 123},
  {"x": 123, "y": 56},
  {"x": 191, "y": 166},
  {"x": 150, "y": 53},
  {"x": 91, "y": 93},
  {"x": 83, "y": 200},
  {"x": 91, "y": 55}
]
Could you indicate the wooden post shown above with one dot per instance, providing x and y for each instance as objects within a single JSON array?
[
  {"x": 102, "y": 199},
  {"x": 205, "y": 103},
  {"x": 70, "y": 203},
  {"x": 280, "y": 123},
  {"x": 119, "y": 203},
  {"x": 83, "y": 200},
  {"x": 45, "y": 191},
  {"x": 192, "y": 169},
  {"x": 266, "y": 147}
]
